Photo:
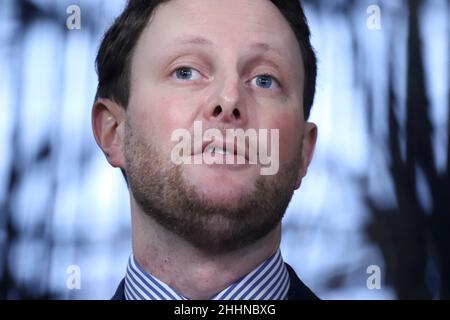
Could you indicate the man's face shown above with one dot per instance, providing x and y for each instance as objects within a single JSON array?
[{"x": 229, "y": 64}]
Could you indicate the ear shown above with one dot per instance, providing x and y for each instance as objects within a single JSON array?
[
  {"x": 308, "y": 147},
  {"x": 108, "y": 120}
]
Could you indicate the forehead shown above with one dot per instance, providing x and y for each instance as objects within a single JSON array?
[{"x": 228, "y": 25}]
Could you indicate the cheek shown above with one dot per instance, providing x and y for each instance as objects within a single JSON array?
[
  {"x": 157, "y": 115},
  {"x": 289, "y": 128}
]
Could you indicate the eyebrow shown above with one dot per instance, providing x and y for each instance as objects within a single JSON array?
[
  {"x": 201, "y": 41},
  {"x": 197, "y": 40}
]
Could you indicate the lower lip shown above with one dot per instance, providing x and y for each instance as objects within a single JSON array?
[{"x": 228, "y": 160}]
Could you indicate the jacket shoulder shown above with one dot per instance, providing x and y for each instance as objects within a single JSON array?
[
  {"x": 298, "y": 290},
  {"x": 120, "y": 292}
]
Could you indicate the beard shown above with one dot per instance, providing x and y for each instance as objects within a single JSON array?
[{"x": 163, "y": 194}]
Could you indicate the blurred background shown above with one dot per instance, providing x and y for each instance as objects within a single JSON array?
[{"x": 376, "y": 198}]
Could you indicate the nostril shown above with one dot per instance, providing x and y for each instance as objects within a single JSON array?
[
  {"x": 236, "y": 113},
  {"x": 217, "y": 111}
]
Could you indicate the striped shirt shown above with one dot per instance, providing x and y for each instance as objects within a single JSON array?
[{"x": 268, "y": 281}]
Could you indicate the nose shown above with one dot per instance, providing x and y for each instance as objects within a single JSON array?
[{"x": 226, "y": 104}]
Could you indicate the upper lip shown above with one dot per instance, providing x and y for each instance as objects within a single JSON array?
[{"x": 230, "y": 146}]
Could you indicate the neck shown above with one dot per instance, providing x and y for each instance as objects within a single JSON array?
[{"x": 193, "y": 273}]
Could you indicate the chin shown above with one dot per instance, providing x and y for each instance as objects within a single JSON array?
[
  {"x": 221, "y": 185},
  {"x": 224, "y": 194}
]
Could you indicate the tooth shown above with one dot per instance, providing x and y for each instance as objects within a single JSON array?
[{"x": 217, "y": 150}]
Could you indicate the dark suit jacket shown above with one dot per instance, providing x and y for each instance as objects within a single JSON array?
[{"x": 297, "y": 290}]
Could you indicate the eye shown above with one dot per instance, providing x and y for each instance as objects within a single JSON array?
[
  {"x": 186, "y": 74},
  {"x": 265, "y": 81}
]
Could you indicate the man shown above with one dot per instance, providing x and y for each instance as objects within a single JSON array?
[{"x": 203, "y": 230}]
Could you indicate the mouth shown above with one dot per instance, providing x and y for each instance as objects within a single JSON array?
[{"x": 223, "y": 148}]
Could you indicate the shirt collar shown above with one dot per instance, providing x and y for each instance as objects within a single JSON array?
[{"x": 268, "y": 281}]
